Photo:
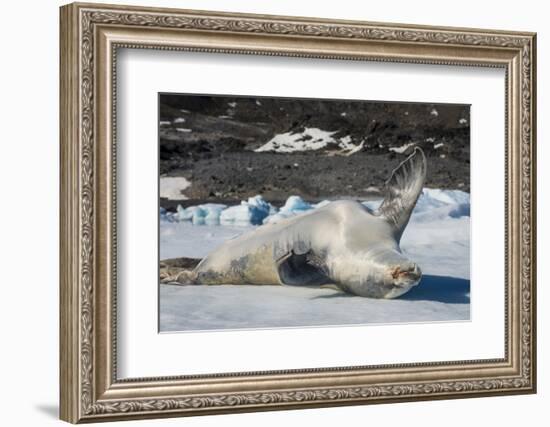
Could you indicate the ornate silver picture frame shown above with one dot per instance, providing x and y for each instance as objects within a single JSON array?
[{"x": 91, "y": 37}]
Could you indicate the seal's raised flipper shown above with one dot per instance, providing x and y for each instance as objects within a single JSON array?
[{"x": 402, "y": 190}]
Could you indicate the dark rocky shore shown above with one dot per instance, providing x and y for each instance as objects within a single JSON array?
[{"x": 211, "y": 141}]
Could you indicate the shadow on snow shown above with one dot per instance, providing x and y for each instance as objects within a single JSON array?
[
  {"x": 444, "y": 289},
  {"x": 450, "y": 290}
]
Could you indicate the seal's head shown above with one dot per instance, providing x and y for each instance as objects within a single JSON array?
[
  {"x": 400, "y": 278},
  {"x": 387, "y": 274}
]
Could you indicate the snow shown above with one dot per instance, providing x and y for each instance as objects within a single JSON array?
[
  {"x": 186, "y": 130},
  {"x": 308, "y": 140},
  {"x": 439, "y": 145},
  {"x": 354, "y": 149},
  {"x": 182, "y": 239},
  {"x": 179, "y": 120},
  {"x": 437, "y": 238},
  {"x": 434, "y": 112},
  {"x": 171, "y": 187},
  {"x": 463, "y": 121},
  {"x": 432, "y": 195},
  {"x": 402, "y": 149},
  {"x": 232, "y": 104},
  {"x": 346, "y": 145},
  {"x": 165, "y": 123}
]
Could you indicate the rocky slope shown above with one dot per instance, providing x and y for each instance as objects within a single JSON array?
[{"x": 231, "y": 148}]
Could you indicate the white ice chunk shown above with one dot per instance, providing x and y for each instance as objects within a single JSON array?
[
  {"x": 253, "y": 211},
  {"x": 171, "y": 187},
  {"x": 294, "y": 205},
  {"x": 166, "y": 216},
  {"x": 209, "y": 213}
]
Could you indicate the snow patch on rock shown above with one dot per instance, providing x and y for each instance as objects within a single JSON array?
[
  {"x": 401, "y": 149},
  {"x": 171, "y": 187},
  {"x": 309, "y": 139}
]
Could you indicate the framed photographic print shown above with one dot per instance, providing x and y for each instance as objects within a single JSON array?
[{"x": 266, "y": 212}]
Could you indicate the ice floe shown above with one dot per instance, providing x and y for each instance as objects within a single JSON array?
[
  {"x": 294, "y": 205},
  {"x": 431, "y": 205},
  {"x": 250, "y": 212}
]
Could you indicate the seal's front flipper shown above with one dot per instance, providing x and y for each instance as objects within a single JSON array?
[
  {"x": 332, "y": 286},
  {"x": 307, "y": 269}
]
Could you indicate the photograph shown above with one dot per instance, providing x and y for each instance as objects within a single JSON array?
[
  {"x": 345, "y": 210},
  {"x": 300, "y": 212}
]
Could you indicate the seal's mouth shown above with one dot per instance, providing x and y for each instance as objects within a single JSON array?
[{"x": 406, "y": 276}]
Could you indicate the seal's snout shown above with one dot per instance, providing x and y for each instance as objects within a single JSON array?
[{"x": 408, "y": 274}]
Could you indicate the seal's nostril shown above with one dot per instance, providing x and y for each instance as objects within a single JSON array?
[
  {"x": 396, "y": 272},
  {"x": 405, "y": 273}
]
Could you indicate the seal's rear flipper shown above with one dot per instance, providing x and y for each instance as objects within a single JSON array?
[
  {"x": 178, "y": 271},
  {"x": 402, "y": 190}
]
